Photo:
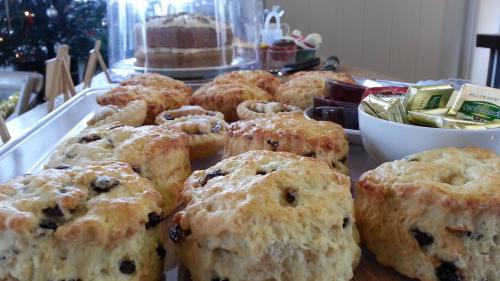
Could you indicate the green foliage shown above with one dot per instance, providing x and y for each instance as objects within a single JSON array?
[{"x": 34, "y": 36}]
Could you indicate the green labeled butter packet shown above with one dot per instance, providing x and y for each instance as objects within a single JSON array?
[{"x": 475, "y": 102}]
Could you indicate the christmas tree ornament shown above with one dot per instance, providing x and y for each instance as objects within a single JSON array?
[{"x": 52, "y": 12}]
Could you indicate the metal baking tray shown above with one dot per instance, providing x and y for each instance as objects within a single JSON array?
[{"x": 29, "y": 153}]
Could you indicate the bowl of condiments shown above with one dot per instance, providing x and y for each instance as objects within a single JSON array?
[{"x": 428, "y": 117}]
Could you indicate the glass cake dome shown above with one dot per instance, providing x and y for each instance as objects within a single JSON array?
[{"x": 192, "y": 39}]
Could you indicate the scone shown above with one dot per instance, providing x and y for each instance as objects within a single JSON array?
[
  {"x": 267, "y": 215},
  {"x": 224, "y": 96},
  {"x": 434, "y": 215},
  {"x": 133, "y": 114},
  {"x": 186, "y": 110},
  {"x": 156, "y": 153},
  {"x": 260, "y": 78},
  {"x": 157, "y": 100},
  {"x": 81, "y": 223},
  {"x": 252, "y": 109},
  {"x": 158, "y": 81},
  {"x": 323, "y": 140},
  {"x": 302, "y": 87},
  {"x": 206, "y": 133}
]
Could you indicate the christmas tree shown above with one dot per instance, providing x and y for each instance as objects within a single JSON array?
[{"x": 30, "y": 30}]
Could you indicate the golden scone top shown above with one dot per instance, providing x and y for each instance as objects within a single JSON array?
[
  {"x": 157, "y": 81},
  {"x": 454, "y": 177},
  {"x": 117, "y": 142},
  {"x": 99, "y": 204},
  {"x": 260, "y": 78},
  {"x": 321, "y": 134},
  {"x": 263, "y": 187}
]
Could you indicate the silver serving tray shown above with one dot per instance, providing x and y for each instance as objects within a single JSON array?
[{"x": 29, "y": 152}]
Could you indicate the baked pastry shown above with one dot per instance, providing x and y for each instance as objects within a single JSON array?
[
  {"x": 293, "y": 133},
  {"x": 157, "y": 100},
  {"x": 224, "y": 96},
  {"x": 268, "y": 215},
  {"x": 434, "y": 215},
  {"x": 252, "y": 109},
  {"x": 206, "y": 133},
  {"x": 81, "y": 223},
  {"x": 155, "y": 153},
  {"x": 185, "y": 110},
  {"x": 157, "y": 81},
  {"x": 133, "y": 114},
  {"x": 184, "y": 40},
  {"x": 260, "y": 78},
  {"x": 302, "y": 87}
]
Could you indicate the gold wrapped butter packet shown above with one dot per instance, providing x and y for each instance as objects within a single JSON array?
[
  {"x": 427, "y": 97},
  {"x": 387, "y": 109},
  {"x": 437, "y": 118},
  {"x": 475, "y": 102},
  {"x": 487, "y": 125}
]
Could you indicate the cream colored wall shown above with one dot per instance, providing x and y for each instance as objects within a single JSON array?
[
  {"x": 488, "y": 21},
  {"x": 408, "y": 39}
]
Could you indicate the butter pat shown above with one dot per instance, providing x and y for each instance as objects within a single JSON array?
[{"x": 475, "y": 102}]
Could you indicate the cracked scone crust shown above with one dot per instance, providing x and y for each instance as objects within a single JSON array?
[
  {"x": 185, "y": 110},
  {"x": 252, "y": 109},
  {"x": 157, "y": 99},
  {"x": 260, "y": 78},
  {"x": 206, "y": 133},
  {"x": 133, "y": 114},
  {"x": 224, "y": 96},
  {"x": 302, "y": 87},
  {"x": 434, "y": 215},
  {"x": 156, "y": 153},
  {"x": 293, "y": 133},
  {"x": 268, "y": 215},
  {"x": 81, "y": 223},
  {"x": 157, "y": 81}
]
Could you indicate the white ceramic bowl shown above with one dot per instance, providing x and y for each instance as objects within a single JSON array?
[{"x": 387, "y": 141}]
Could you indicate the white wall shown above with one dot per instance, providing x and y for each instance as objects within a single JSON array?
[
  {"x": 407, "y": 39},
  {"x": 488, "y": 21}
]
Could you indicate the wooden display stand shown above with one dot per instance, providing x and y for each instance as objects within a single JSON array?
[
  {"x": 57, "y": 78},
  {"x": 4, "y": 132},
  {"x": 95, "y": 56}
]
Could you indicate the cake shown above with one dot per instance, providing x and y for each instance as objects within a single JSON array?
[
  {"x": 265, "y": 216},
  {"x": 225, "y": 96},
  {"x": 156, "y": 153},
  {"x": 183, "y": 40},
  {"x": 434, "y": 215},
  {"x": 293, "y": 133},
  {"x": 96, "y": 222}
]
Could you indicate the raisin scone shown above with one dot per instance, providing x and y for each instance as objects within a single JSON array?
[
  {"x": 156, "y": 153},
  {"x": 81, "y": 223},
  {"x": 260, "y": 78},
  {"x": 185, "y": 110},
  {"x": 206, "y": 133},
  {"x": 157, "y": 100},
  {"x": 302, "y": 87},
  {"x": 434, "y": 215},
  {"x": 133, "y": 114},
  {"x": 252, "y": 109},
  {"x": 158, "y": 81},
  {"x": 224, "y": 96},
  {"x": 268, "y": 215},
  {"x": 293, "y": 133}
]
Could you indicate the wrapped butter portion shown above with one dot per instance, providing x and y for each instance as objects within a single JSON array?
[
  {"x": 390, "y": 109},
  {"x": 475, "y": 102},
  {"x": 427, "y": 97}
]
